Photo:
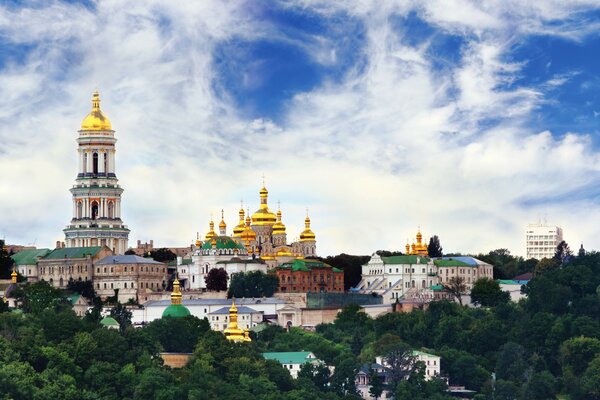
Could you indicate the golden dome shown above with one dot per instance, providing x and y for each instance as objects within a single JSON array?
[
  {"x": 198, "y": 242},
  {"x": 211, "y": 233},
  {"x": 237, "y": 231},
  {"x": 278, "y": 227},
  {"x": 264, "y": 216},
  {"x": 307, "y": 234},
  {"x": 96, "y": 120},
  {"x": 222, "y": 224},
  {"x": 248, "y": 235}
]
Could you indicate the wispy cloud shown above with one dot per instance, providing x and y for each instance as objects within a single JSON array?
[{"x": 393, "y": 143}]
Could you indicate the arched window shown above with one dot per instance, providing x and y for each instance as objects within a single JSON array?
[
  {"x": 85, "y": 158},
  {"x": 125, "y": 285},
  {"x": 95, "y": 163},
  {"x": 94, "y": 209},
  {"x": 105, "y": 162},
  {"x": 111, "y": 210},
  {"x": 79, "y": 209}
]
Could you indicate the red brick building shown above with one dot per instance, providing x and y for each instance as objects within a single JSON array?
[{"x": 301, "y": 276}]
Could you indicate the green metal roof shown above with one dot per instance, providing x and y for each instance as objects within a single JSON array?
[
  {"x": 422, "y": 353},
  {"x": 73, "y": 252},
  {"x": 451, "y": 263},
  {"x": 305, "y": 265},
  {"x": 405, "y": 260},
  {"x": 289, "y": 357},
  {"x": 176, "y": 311},
  {"x": 29, "y": 257},
  {"x": 337, "y": 270},
  {"x": 109, "y": 321},
  {"x": 223, "y": 242},
  {"x": 437, "y": 287}
]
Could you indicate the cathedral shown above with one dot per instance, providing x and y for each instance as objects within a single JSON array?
[
  {"x": 96, "y": 194},
  {"x": 258, "y": 242}
]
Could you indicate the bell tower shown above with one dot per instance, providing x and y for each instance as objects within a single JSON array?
[{"x": 96, "y": 193}]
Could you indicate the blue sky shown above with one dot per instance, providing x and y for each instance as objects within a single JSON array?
[{"x": 468, "y": 118}]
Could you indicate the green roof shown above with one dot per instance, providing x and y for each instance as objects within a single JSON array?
[
  {"x": 405, "y": 260},
  {"x": 509, "y": 282},
  {"x": 109, "y": 321},
  {"x": 185, "y": 261},
  {"x": 337, "y": 270},
  {"x": 305, "y": 265},
  {"x": 223, "y": 242},
  {"x": 176, "y": 311},
  {"x": 74, "y": 297},
  {"x": 289, "y": 357},
  {"x": 451, "y": 263},
  {"x": 422, "y": 353},
  {"x": 29, "y": 257},
  {"x": 437, "y": 287},
  {"x": 73, "y": 252}
]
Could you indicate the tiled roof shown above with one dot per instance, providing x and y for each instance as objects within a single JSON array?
[{"x": 29, "y": 257}]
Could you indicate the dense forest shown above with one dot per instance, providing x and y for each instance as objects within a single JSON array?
[{"x": 545, "y": 346}]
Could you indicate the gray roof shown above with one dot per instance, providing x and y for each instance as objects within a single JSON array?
[
  {"x": 127, "y": 259},
  {"x": 240, "y": 310},
  {"x": 216, "y": 302}
]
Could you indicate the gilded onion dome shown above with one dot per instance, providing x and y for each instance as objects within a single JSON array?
[
  {"x": 222, "y": 224},
  {"x": 198, "y": 242},
  {"x": 263, "y": 216},
  {"x": 248, "y": 235},
  {"x": 176, "y": 309},
  {"x": 279, "y": 227},
  {"x": 307, "y": 234},
  {"x": 211, "y": 233},
  {"x": 96, "y": 120},
  {"x": 239, "y": 228}
]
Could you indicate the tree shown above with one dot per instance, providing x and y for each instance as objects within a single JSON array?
[
  {"x": 351, "y": 265},
  {"x": 6, "y": 263},
  {"x": 487, "y": 292},
  {"x": 377, "y": 385},
  {"x": 39, "y": 296},
  {"x": 130, "y": 252},
  {"x": 563, "y": 253},
  {"x": 84, "y": 288},
  {"x": 434, "y": 248},
  {"x": 252, "y": 284},
  {"x": 162, "y": 255},
  {"x": 122, "y": 315},
  {"x": 541, "y": 386},
  {"x": 456, "y": 287},
  {"x": 216, "y": 279},
  {"x": 402, "y": 363}
]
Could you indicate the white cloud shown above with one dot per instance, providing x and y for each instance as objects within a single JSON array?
[{"x": 394, "y": 144}]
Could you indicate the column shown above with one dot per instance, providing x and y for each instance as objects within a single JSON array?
[
  {"x": 80, "y": 161},
  {"x": 90, "y": 161},
  {"x": 101, "y": 161}
]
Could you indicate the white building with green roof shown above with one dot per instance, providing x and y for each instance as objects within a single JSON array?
[
  {"x": 26, "y": 262},
  {"x": 416, "y": 277},
  {"x": 293, "y": 360}
]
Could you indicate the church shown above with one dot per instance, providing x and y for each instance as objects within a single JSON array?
[{"x": 257, "y": 243}]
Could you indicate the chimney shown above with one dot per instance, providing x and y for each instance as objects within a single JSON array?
[
  {"x": 139, "y": 243},
  {"x": 58, "y": 244},
  {"x": 151, "y": 243}
]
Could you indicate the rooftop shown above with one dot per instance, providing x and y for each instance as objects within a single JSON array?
[
  {"x": 29, "y": 257},
  {"x": 127, "y": 259},
  {"x": 73, "y": 252},
  {"x": 290, "y": 357},
  {"x": 405, "y": 260},
  {"x": 216, "y": 302},
  {"x": 240, "y": 310}
]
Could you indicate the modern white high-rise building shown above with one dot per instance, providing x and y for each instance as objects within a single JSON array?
[
  {"x": 541, "y": 240},
  {"x": 96, "y": 193}
]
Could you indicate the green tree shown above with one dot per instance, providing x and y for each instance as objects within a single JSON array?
[
  {"x": 122, "y": 315},
  {"x": 434, "y": 248},
  {"x": 39, "y": 296},
  {"x": 84, "y": 288},
  {"x": 511, "y": 364},
  {"x": 377, "y": 385},
  {"x": 541, "y": 386},
  {"x": 163, "y": 255},
  {"x": 487, "y": 292},
  {"x": 252, "y": 284},
  {"x": 589, "y": 383},
  {"x": 216, "y": 279},
  {"x": 457, "y": 287},
  {"x": 6, "y": 262},
  {"x": 562, "y": 253}
]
